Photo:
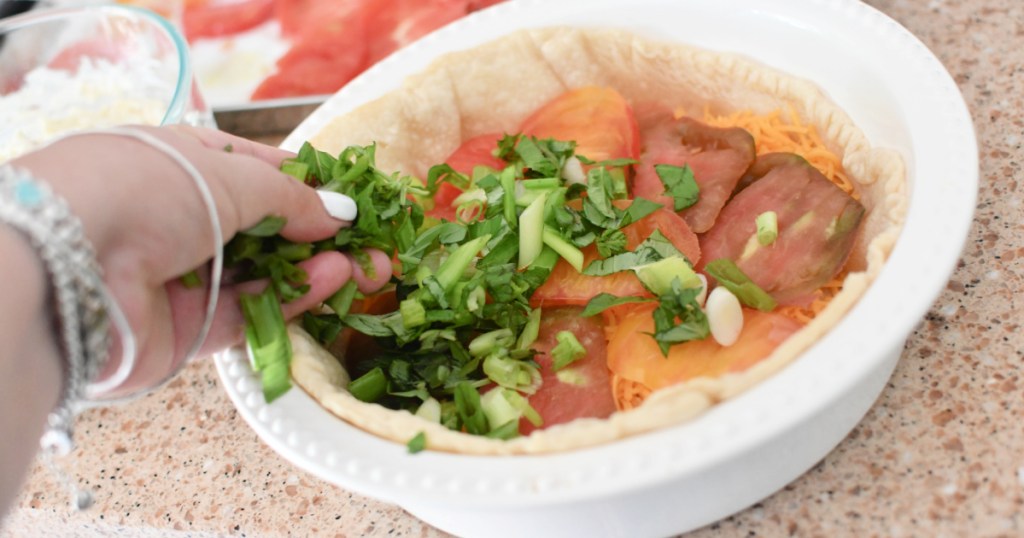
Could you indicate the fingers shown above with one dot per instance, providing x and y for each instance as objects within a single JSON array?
[
  {"x": 381, "y": 272},
  {"x": 256, "y": 188},
  {"x": 327, "y": 273},
  {"x": 228, "y": 143}
]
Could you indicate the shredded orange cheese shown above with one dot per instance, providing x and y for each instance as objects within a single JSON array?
[
  {"x": 775, "y": 132},
  {"x": 628, "y": 394},
  {"x": 778, "y": 132}
]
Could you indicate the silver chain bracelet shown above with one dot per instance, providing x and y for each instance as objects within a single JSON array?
[{"x": 79, "y": 294}]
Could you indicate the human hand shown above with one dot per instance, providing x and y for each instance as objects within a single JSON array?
[{"x": 149, "y": 226}]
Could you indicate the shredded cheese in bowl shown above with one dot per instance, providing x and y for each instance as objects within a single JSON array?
[
  {"x": 68, "y": 69},
  {"x": 98, "y": 93}
]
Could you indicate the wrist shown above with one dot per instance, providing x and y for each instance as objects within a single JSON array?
[{"x": 26, "y": 325}]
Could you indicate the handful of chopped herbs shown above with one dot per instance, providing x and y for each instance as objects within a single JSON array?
[{"x": 463, "y": 288}]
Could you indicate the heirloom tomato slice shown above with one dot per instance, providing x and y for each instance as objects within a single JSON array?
[
  {"x": 599, "y": 120},
  {"x": 566, "y": 286},
  {"x": 717, "y": 157},
  {"x": 634, "y": 355},
  {"x": 581, "y": 389},
  {"x": 817, "y": 227}
]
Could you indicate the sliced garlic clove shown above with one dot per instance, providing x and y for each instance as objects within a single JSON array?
[{"x": 725, "y": 316}]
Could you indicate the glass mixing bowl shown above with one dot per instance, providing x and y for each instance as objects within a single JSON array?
[{"x": 69, "y": 69}]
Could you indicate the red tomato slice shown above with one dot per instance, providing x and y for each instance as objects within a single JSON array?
[
  {"x": 300, "y": 16},
  {"x": 635, "y": 356},
  {"x": 477, "y": 151},
  {"x": 717, "y": 157},
  {"x": 590, "y": 394},
  {"x": 817, "y": 225},
  {"x": 396, "y": 23},
  {"x": 314, "y": 65},
  {"x": 598, "y": 119},
  {"x": 221, "y": 18},
  {"x": 565, "y": 286}
]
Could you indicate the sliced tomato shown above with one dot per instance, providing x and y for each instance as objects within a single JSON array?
[
  {"x": 566, "y": 286},
  {"x": 817, "y": 226},
  {"x": 477, "y": 151},
  {"x": 297, "y": 17},
  {"x": 635, "y": 356},
  {"x": 396, "y": 23},
  {"x": 585, "y": 390},
  {"x": 598, "y": 119},
  {"x": 315, "y": 64},
  {"x": 717, "y": 157},
  {"x": 215, "y": 18}
]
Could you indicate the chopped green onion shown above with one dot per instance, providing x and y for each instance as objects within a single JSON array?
[
  {"x": 508, "y": 430},
  {"x": 519, "y": 402},
  {"x": 370, "y": 386},
  {"x": 729, "y": 275},
  {"x": 467, "y": 405},
  {"x": 564, "y": 248},
  {"x": 268, "y": 339},
  {"x": 417, "y": 443},
  {"x": 297, "y": 170},
  {"x": 531, "y": 231},
  {"x": 508, "y": 185},
  {"x": 451, "y": 270},
  {"x": 413, "y": 313},
  {"x": 191, "y": 280},
  {"x": 487, "y": 343},
  {"x": 545, "y": 183},
  {"x": 567, "y": 351},
  {"x": 430, "y": 410},
  {"x": 497, "y": 408},
  {"x": 511, "y": 373},
  {"x": 530, "y": 330},
  {"x": 658, "y": 276},
  {"x": 767, "y": 228},
  {"x": 341, "y": 301}
]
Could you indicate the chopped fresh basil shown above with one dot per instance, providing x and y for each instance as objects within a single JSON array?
[{"x": 679, "y": 184}]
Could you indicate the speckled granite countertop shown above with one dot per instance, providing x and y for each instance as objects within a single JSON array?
[{"x": 940, "y": 454}]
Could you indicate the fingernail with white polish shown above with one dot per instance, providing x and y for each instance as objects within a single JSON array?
[{"x": 338, "y": 205}]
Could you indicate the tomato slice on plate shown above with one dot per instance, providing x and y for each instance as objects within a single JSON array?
[
  {"x": 396, "y": 23},
  {"x": 635, "y": 356},
  {"x": 817, "y": 226},
  {"x": 584, "y": 389},
  {"x": 215, "y": 18},
  {"x": 316, "y": 65},
  {"x": 565, "y": 286},
  {"x": 717, "y": 157},
  {"x": 598, "y": 119}
]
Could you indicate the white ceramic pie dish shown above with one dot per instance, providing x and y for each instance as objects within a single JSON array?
[{"x": 744, "y": 449}]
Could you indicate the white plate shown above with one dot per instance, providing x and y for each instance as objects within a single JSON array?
[{"x": 686, "y": 476}]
